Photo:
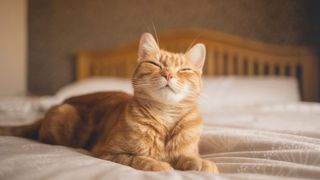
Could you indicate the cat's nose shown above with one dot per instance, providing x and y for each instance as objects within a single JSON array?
[{"x": 167, "y": 75}]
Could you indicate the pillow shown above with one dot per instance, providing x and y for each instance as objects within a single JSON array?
[
  {"x": 217, "y": 92},
  {"x": 94, "y": 85},
  {"x": 243, "y": 91}
]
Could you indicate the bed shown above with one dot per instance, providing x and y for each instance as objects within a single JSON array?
[{"x": 261, "y": 121}]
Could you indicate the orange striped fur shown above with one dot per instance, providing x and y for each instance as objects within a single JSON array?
[{"x": 156, "y": 129}]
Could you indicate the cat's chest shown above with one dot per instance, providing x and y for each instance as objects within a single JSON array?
[
  {"x": 168, "y": 121},
  {"x": 165, "y": 144},
  {"x": 159, "y": 148}
]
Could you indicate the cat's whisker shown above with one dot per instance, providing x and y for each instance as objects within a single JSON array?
[
  {"x": 192, "y": 42},
  {"x": 155, "y": 32}
]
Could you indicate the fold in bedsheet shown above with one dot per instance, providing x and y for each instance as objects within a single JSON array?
[
  {"x": 239, "y": 153},
  {"x": 240, "y": 150}
]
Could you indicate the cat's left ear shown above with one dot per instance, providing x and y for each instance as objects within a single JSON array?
[
  {"x": 147, "y": 46},
  {"x": 197, "y": 55}
]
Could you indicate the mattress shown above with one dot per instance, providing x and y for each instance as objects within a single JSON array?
[{"x": 275, "y": 140}]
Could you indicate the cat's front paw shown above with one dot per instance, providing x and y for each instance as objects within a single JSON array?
[
  {"x": 188, "y": 163},
  {"x": 158, "y": 166},
  {"x": 196, "y": 164},
  {"x": 209, "y": 166}
]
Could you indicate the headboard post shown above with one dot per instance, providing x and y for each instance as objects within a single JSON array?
[
  {"x": 83, "y": 66},
  {"x": 310, "y": 78}
]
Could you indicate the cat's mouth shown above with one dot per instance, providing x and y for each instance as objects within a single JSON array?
[{"x": 167, "y": 87}]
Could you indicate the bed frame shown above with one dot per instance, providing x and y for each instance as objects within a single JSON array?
[{"x": 226, "y": 55}]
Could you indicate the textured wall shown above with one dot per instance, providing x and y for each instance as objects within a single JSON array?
[{"x": 57, "y": 28}]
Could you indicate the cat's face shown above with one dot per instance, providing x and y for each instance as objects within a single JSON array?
[{"x": 168, "y": 77}]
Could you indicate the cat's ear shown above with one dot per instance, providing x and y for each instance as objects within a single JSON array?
[
  {"x": 197, "y": 55},
  {"x": 147, "y": 46}
]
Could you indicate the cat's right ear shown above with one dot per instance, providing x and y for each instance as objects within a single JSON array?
[{"x": 147, "y": 46}]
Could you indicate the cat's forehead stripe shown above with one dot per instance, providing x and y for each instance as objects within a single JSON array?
[{"x": 169, "y": 59}]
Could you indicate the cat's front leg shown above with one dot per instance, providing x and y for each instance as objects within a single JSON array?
[
  {"x": 184, "y": 162},
  {"x": 144, "y": 163}
]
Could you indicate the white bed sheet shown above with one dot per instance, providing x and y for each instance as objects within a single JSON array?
[{"x": 254, "y": 142}]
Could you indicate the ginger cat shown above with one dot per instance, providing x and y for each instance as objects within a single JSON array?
[{"x": 156, "y": 129}]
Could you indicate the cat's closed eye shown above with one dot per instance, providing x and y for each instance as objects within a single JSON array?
[
  {"x": 184, "y": 69},
  {"x": 154, "y": 64}
]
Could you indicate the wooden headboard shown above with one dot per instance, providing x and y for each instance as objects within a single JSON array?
[{"x": 226, "y": 55}]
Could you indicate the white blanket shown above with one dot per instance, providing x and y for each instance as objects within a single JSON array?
[{"x": 270, "y": 141}]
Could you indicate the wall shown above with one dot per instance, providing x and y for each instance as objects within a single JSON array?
[
  {"x": 57, "y": 28},
  {"x": 12, "y": 47}
]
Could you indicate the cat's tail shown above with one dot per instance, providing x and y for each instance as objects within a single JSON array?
[{"x": 29, "y": 131}]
